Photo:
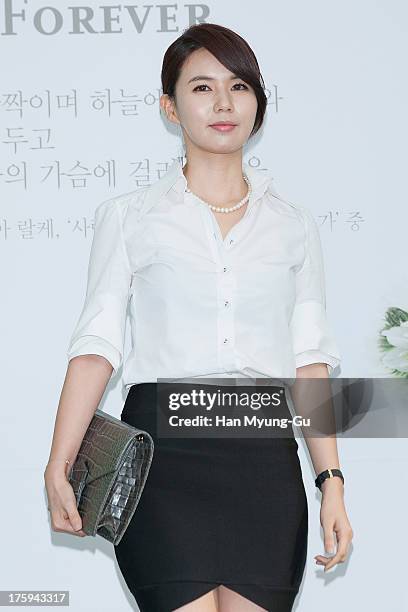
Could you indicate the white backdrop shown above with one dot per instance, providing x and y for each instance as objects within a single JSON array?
[{"x": 79, "y": 123}]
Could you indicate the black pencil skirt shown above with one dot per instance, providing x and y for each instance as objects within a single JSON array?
[{"x": 214, "y": 511}]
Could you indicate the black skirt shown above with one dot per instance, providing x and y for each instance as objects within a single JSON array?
[{"x": 214, "y": 511}]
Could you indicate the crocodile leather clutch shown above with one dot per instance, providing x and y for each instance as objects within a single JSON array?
[{"x": 109, "y": 474}]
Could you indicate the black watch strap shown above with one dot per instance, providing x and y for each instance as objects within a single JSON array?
[{"x": 329, "y": 473}]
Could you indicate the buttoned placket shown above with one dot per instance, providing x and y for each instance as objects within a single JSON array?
[{"x": 223, "y": 251}]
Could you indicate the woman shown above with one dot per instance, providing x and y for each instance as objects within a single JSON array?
[{"x": 225, "y": 281}]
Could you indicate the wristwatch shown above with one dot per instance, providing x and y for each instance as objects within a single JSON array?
[{"x": 329, "y": 473}]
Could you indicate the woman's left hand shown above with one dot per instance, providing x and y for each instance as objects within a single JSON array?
[{"x": 333, "y": 518}]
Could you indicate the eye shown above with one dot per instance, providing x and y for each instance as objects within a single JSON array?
[{"x": 198, "y": 86}]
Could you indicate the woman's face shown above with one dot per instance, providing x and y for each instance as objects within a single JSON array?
[{"x": 200, "y": 102}]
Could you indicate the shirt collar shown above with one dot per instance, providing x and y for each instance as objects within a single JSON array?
[{"x": 174, "y": 178}]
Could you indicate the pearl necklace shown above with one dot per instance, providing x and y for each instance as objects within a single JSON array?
[{"x": 223, "y": 209}]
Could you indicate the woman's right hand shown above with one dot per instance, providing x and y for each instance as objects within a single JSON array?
[{"x": 61, "y": 501}]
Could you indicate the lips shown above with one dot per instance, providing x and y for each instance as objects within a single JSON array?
[
  {"x": 223, "y": 127},
  {"x": 221, "y": 123}
]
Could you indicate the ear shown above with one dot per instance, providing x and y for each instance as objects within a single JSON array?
[{"x": 168, "y": 106}]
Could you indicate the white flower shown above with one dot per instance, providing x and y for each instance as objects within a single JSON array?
[{"x": 397, "y": 357}]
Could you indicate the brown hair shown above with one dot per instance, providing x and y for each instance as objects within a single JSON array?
[{"x": 228, "y": 47}]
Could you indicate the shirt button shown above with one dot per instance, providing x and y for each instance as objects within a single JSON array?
[
  {"x": 225, "y": 340},
  {"x": 231, "y": 241},
  {"x": 226, "y": 303},
  {"x": 224, "y": 269}
]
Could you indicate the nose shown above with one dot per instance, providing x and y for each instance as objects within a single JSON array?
[{"x": 223, "y": 102}]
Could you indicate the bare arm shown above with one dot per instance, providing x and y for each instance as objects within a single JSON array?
[
  {"x": 324, "y": 454},
  {"x": 323, "y": 449},
  {"x": 85, "y": 382},
  {"x": 84, "y": 385},
  {"x": 95, "y": 350}
]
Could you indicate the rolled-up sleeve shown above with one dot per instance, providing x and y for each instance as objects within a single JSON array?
[
  {"x": 313, "y": 340},
  {"x": 100, "y": 329}
]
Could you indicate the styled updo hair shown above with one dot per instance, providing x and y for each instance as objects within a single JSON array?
[{"x": 228, "y": 47}]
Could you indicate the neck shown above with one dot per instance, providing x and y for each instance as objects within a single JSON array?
[{"x": 217, "y": 180}]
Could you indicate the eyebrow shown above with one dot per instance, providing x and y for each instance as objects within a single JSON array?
[{"x": 201, "y": 77}]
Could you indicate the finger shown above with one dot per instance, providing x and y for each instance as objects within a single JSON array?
[
  {"x": 67, "y": 528},
  {"x": 329, "y": 538},
  {"x": 321, "y": 560},
  {"x": 341, "y": 554},
  {"x": 70, "y": 527},
  {"x": 60, "y": 522},
  {"x": 338, "y": 558},
  {"x": 73, "y": 516}
]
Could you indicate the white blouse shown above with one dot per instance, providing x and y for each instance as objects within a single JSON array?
[{"x": 251, "y": 305}]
